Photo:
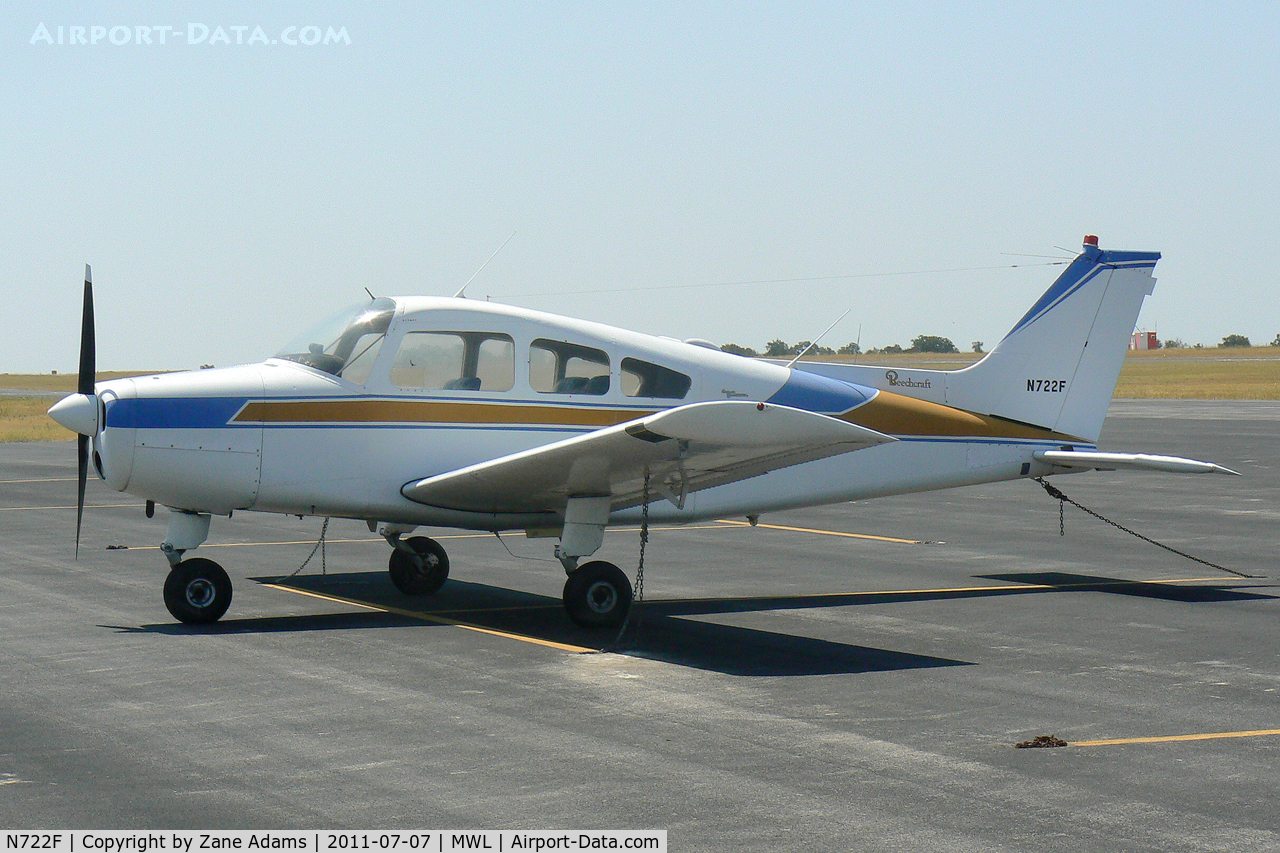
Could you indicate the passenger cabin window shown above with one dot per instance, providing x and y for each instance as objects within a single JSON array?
[
  {"x": 642, "y": 379},
  {"x": 559, "y": 367},
  {"x": 455, "y": 361}
]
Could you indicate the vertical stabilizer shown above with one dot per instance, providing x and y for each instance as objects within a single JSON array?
[{"x": 1058, "y": 366}]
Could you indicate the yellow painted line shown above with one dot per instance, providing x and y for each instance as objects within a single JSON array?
[
  {"x": 380, "y": 540},
  {"x": 290, "y": 542},
  {"x": 367, "y": 541},
  {"x": 73, "y": 506},
  {"x": 1176, "y": 738},
  {"x": 43, "y": 480},
  {"x": 524, "y": 638},
  {"x": 440, "y": 620},
  {"x": 822, "y": 532},
  {"x": 658, "y": 601}
]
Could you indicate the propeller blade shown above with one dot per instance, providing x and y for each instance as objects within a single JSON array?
[
  {"x": 88, "y": 349},
  {"x": 82, "y": 451},
  {"x": 85, "y": 385}
]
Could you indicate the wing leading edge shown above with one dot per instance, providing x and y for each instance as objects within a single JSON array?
[{"x": 685, "y": 449}]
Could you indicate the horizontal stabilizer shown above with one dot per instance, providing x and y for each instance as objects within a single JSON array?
[
  {"x": 684, "y": 449},
  {"x": 1086, "y": 460}
]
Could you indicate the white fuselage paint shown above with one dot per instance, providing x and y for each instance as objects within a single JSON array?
[{"x": 174, "y": 438}]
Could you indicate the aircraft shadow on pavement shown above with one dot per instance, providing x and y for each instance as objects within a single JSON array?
[
  {"x": 1068, "y": 582},
  {"x": 655, "y": 632}
]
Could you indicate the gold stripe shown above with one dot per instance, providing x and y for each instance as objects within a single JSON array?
[
  {"x": 1175, "y": 738},
  {"x": 887, "y": 412},
  {"x": 429, "y": 411},
  {"x": 895, "y": 414},
  {"x": 427, "y": 617}
]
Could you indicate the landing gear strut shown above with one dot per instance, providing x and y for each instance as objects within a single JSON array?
[
  {"x": 597, "y": 595},
  {"x": 418, "y": 566},
  {"x": 197, "y": 591}
]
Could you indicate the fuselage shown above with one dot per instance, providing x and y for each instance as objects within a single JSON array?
[{"x": 409, "y": 388}]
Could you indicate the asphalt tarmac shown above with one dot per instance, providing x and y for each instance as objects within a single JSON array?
[{"x": 794, "y": 686}]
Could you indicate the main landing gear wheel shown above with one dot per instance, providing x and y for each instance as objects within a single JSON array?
[
  {"x": 197, "y": 591},
  {"x": 424, "y": 571},
  {"x": 597, "y": 595}
]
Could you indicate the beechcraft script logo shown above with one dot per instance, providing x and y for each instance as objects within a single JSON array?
[{"x": 908, "y": 382}]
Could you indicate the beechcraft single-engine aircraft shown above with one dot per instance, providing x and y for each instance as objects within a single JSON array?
[{"x": 448, "y": 412}]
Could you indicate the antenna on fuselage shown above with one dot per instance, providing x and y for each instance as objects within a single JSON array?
[
  {"x": 460, "y": 294},
  {"x": 818, "y": 338},
  {"x": 370, "y": 292}
]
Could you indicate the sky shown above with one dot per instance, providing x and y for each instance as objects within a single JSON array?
[{"x": 736, "y": 172}]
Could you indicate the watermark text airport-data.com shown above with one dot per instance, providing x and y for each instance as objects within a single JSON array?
[{"x": 309, "y": 35}]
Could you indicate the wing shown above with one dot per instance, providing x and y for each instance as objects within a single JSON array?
[
  {"x": 1085, "y": 460},
  {"x": 685, "y": 449}
]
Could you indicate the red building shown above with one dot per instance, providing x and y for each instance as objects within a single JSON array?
[{"x": 1144, "y": 340}]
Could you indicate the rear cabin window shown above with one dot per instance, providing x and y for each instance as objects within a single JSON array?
[
  {"x": 455, "y": 361},
  {"x": 643, "y": 379},
  {"x": 560, "y": 367}
]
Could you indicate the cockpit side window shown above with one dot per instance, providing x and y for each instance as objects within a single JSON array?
[
  {"x": 455, "y": 361},
  {"x": 363, "y": 355},
  {"x": 560, "y": 367},
  {"x": 643, "y": 379}
]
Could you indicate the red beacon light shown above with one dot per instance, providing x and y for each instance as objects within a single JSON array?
[{"x": 1091, "y": 240}]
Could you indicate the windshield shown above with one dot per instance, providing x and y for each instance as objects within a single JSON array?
[{"x": 345, "y": 344}]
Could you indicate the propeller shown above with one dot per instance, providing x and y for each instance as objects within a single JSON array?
[
  {"x": 79, "y": 412},
  {"x": 85, "y": 385}
]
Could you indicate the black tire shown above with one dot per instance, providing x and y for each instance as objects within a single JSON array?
[
  {"x": 597, "y": 595},
  {"x": 197, "y": 591},
  {"x": 424, "y": 575}
]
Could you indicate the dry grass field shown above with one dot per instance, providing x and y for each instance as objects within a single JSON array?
[
  {"x": 61, "y": 381},
  {"x": 24, "y": 419},
  {"x": 1237, "y": 373}
]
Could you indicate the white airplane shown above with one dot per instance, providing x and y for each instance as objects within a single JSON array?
[{"x": 448, "y": 412}]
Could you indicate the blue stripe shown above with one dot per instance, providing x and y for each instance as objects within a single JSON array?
[
  {"x": 174, "y": 412},
  {"x": 1081, "y": 270},
  {"x": 815, "y": 393}
]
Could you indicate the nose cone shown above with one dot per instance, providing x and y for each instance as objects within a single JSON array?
[{"x": 78, "y": 413}]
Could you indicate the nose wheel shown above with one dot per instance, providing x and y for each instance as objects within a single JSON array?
[
  {"x": 197, "y": 591},
  {"x": 597, "y": 595},
  {"x": 418, "y": 566}
]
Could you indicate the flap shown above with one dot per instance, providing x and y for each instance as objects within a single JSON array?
[{"x": 685, "y": 449}]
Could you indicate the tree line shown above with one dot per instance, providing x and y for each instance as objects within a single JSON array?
[
  {"x": 779, "y": 348},
  {"x": 1227, "y": 341}
]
